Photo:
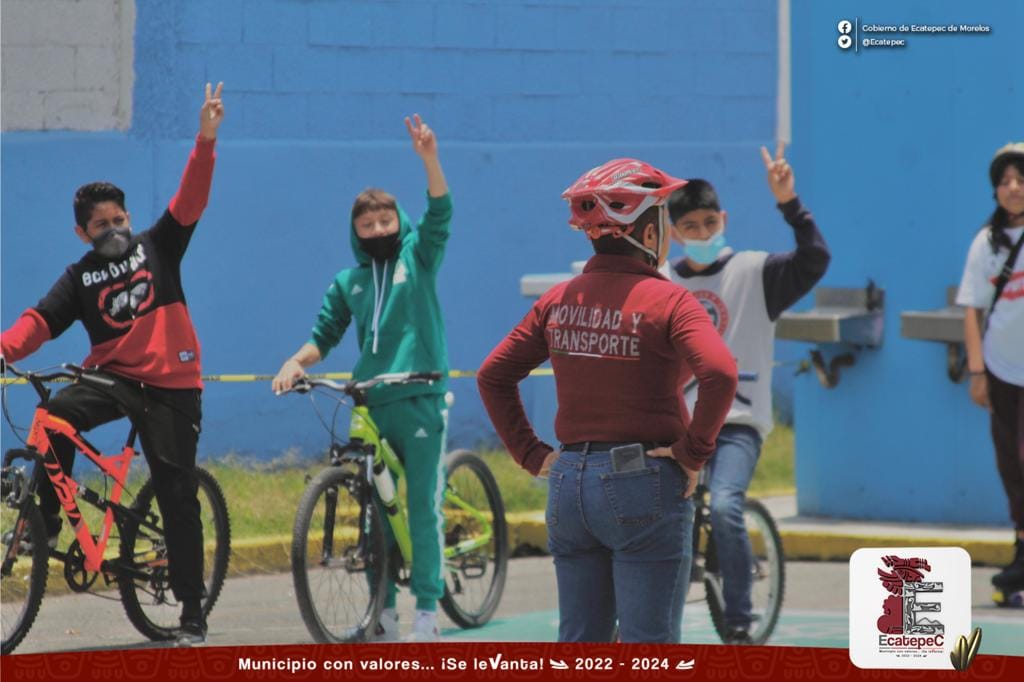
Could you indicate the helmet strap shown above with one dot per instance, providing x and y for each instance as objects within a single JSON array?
[{"x": 653, "y": 255}]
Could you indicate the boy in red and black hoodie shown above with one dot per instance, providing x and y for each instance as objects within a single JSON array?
[{"x": 128, "y": 294}]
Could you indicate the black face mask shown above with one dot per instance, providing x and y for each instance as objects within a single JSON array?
[
  {"x": 381, "y": 248},
  {"x": 114, "y": 242}
]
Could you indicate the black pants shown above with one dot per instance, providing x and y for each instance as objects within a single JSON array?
[
  {"x": 1007, "y": 423},
  {"x": 168, "y": 424}
]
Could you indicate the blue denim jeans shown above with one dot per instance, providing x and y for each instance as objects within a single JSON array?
[
  {"x": 728, "y": 476},
  {"x": 621, "y": 543}
]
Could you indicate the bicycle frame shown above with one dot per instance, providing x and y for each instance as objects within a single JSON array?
[
  {"x": 115, "y": 466},
  {"x": 363, "y": 428}
]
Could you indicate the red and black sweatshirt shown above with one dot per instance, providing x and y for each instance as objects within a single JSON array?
[
  {"x": 622, "y": 341},
  {"x": 132, "y": 307}
]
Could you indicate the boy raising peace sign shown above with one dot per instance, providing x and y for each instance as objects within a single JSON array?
[
  {"x": 745, "y": 292},
  {"x": 127, "y": 291}
]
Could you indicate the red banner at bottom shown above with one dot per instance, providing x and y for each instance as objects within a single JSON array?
[{"x": 477, "y": 660}]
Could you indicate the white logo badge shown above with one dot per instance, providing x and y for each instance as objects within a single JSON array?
[
  {"x": 400, "y": 273},
  {"x": 357, "y": 290},
  {"x": 422, "y": 433},
  {"x": 908, "y": 606}
]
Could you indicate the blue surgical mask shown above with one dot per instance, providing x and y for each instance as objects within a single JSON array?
[{"x": 705, "y": 251}]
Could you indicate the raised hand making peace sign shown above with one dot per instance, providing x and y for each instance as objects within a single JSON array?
[
  {"x": 212, "y": 113},
  {"x": 780, "y": 175},
  {"x": 424, "y": 142}
]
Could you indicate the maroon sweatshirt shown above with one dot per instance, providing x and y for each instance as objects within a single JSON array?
[
  {"x": 133, "y": 307},
  {"x": 622, "y": 341}
]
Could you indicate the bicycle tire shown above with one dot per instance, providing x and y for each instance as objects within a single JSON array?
[
  {"x": 326, "y": 584},
  {"x": 465, "y": 467},
  {"x": 769, "y": 583},
  {"x": 31, "y": 596},
  {"x": 149, "y": 604}
]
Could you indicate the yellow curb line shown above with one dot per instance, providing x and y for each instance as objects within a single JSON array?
[
  {"x": 272, "y": 554},
  {"x": 832, "y": 547},
  {"x": 529, "y": 529}
]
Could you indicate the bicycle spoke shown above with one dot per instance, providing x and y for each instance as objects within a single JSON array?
[
  {"x": 476, "y": 544},
  {"x": 23, "y": 579},
  {"x": 337, "y": 558}
]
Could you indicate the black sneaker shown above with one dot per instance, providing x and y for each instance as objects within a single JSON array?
[
  {"x": 191, "y": 632},
  {"x": 1012, "y": 576},
  {"x": 737, "y": 635}
]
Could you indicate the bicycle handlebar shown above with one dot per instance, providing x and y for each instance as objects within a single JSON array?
[
  {"x": 306, "y": 384},
  {"x": 69, "y": 371}
]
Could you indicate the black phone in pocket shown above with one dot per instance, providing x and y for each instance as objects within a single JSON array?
[{"x": 628, "y": 458}]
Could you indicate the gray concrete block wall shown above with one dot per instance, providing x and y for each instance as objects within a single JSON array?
[{"x": 66, "y": 64}]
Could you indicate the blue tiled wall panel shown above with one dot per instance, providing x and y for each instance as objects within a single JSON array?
[
  {"x": 894, "y": 146},
  {"x": 524, "y": 96},
  {"x": 275, "y": 22}
]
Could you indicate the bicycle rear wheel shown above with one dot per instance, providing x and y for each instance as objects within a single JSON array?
[
  {"x": 149, "y": 603},
  {"x": 339, "y": 562},
  {"x": 23, "y": 574},
  {"x": 476, "y": 561},
  {"x": 769, "y": 576}
]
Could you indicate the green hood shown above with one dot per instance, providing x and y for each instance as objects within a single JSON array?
[
  {"x": 404, "y": 230},
  {"x": 394, "y": 306}
]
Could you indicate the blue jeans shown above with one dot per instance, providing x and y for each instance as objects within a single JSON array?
[
  {"x": 621, "y": 543},
  {"x": 728, "y": 474}
]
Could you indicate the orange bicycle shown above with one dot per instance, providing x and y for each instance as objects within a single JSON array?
[{"x": 139, "y": 567}]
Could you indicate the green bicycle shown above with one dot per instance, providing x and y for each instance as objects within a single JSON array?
[{"x": 340, "y": 561}]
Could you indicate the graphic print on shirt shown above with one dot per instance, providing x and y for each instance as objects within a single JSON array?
[
  {"x": 122, "y": 299},
  {"x": 122, "y": 302},
  {"x": 593, "y": 331},
  {"x": 717, "y": 310},
  {"x": 1014, "y": 288}
]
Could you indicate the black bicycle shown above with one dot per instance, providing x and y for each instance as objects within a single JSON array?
[{"x": 768, "y": 567}]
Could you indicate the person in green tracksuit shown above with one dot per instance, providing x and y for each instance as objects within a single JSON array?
[{"x": 392, "y": 296}]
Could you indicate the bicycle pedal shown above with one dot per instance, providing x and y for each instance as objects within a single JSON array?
[{"x": 474, "y": 568}]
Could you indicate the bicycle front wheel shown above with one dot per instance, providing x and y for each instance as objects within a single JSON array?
[
  {"x": 339, "y": 562},
  {"x": 768, "y": 574},
  {"x": 146, "y": 593},
  {"x": 476, "y": 541},
  {"x": 23, "y": 574}
]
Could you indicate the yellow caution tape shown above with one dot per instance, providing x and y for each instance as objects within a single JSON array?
[{"x": 243, "y": 378}]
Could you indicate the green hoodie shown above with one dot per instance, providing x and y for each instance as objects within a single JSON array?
[{"x": 409, "y": 333}]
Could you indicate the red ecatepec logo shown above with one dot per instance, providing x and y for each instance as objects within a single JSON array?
[
  {"x": 902, "y": 613},
  {"x": 908, "y": 605}
]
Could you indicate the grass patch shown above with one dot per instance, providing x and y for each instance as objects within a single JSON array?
[
  {"x": 519, "y": 490},
  {"x": 262, "y": 496},
  {"x": 775, "y": 473}
]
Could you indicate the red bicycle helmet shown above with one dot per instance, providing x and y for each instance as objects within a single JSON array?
[{"x": 608, "y": 199}]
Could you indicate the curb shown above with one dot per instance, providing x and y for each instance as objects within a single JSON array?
[
  {"x": 528, "y": 529},
  {"x": 528, "y": 534}
]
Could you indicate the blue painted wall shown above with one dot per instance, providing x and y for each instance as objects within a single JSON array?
[
  {"x": 524, "y": 97},
  {"x": 895, "y": 146}
]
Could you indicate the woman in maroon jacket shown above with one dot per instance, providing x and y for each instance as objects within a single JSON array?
[{"x": 622, "y": 341}]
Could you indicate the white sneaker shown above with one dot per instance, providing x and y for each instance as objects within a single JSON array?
[
  {"x": 387, "y": 627},
  {"x": 424, "y": 628}
]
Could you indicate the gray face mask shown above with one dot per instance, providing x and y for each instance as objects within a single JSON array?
[{"x": 113, "y": 243}]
